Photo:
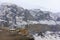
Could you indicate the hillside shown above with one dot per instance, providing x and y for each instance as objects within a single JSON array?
[{"x": 13, "y": 15}]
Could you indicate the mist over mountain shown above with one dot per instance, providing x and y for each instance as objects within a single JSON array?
[{"x": 11, "y": 14}]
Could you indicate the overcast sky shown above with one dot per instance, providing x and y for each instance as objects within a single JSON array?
[{"x": 50, "y": 5}]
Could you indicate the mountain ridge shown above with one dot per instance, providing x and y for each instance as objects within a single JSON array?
[{"x": 10, "y": 13}]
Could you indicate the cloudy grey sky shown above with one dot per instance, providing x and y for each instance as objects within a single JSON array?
[{"x": 50, "y": 5}]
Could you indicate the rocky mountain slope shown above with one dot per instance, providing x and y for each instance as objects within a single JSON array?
[{"x": 11, "y": 15}]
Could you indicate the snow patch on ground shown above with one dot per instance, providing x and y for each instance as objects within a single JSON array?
[
  {"x": 50, "y": 22},
  {"x": 47, "y": 37}
]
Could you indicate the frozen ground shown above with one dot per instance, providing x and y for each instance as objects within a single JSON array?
[{"x": 48, "y": 36}]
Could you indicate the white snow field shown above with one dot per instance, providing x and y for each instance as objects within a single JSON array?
[{"x": 48, "y": 36}]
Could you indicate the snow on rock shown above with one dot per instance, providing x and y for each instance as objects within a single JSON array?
[
  {"x": 50, "y": 22},
  {"x": 20, "y": 22},
  {"x": 33, "y": 22},
  {"x": 2, "y": 20},
  {"x": 47, "y": 37},
  {"x": 58, "y": 22}
]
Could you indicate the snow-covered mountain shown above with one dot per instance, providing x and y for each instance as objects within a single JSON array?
[
  {"x": 9, "y": 12},
  {"x": 11, "y": 15}
]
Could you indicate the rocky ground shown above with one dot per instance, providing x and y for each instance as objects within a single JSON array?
[
  {"x": 5, "y": 34},
  {"x": 48, "y": 36}
]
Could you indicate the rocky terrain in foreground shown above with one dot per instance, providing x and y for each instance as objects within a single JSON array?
[
  {"x": 48, "y": 36},
  {"x": 6, "y": 34}
]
